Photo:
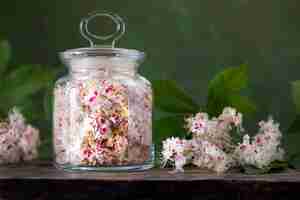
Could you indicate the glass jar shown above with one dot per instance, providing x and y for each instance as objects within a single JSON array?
[{"x": 103, "y": 107}]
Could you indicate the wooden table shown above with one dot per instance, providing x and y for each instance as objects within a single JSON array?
[{"x": 42, "y": 181}]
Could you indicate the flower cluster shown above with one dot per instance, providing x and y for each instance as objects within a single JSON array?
[
  {"x": 105, "y": 123},
  {"x": 263, "y": 148},
  {"x": 102, "y": 123},
  {"x": 19, "y": 141},
  {"x": 176, "y": 151},
  {"x": 215, "y": 130},
  {"x": 210, "y": 156},
  {"x": 211, "y": 146}
]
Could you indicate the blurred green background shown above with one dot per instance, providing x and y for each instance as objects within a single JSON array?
[{"x": 189, "y": 41}]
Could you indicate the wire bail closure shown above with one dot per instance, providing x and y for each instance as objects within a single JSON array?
[{"x": 118, "y": 21}]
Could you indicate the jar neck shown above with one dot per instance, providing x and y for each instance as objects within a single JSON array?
[
  {"x": 92, "y": 73},
  {"x": 102, "y": 67}
]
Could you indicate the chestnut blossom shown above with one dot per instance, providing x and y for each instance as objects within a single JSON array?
[
  {"x": 176, "y": 151},
  {"x": 262, "y": 149},
  {"x": 16, "y": 122},
  {"x": 231, "y": 116},
  {"x": 101, "y": 127},
  {"x": 199, "y": 124},
  {"x": 102, "y": 123},
  {"x": 210, "y": 156},
  {"x": 211, "y": 146},
  {"x": 9, "y": 152},
  {"x": 19, "y": 141},
  {"x": 29, "y": 143},
  {"x": 215, "y": 130}
]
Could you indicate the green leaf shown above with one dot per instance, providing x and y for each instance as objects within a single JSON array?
[
  {"x": 231, "y": 79},
  {"x": 48, "y": 102},
  {"x": 252, "y": 170},
  {"x": 224, "y": 90},
  {"x": 5, "y": 51},
  {"x": 45, "y": 150},
  {"x": 242, "y": 103},
  {"x": 167, "y": 127},
  {"x": 292, "y": 149},
  {"x": 295, "y": 126},
  {"x": 295, "y": 87},
  {"x": 236, "y": 136},
  {"x": 275, "y": 166},
  {"x": 169, "y": 97},
  {"x": 293, "y": 157},
  {"x": 32, "y": 110},
  {"x": 22, "y": 83},
  {"x": 216, "y": 103}
]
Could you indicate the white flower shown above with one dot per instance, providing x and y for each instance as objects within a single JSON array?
[
  {"x": 15, "y": 117},
  {"x": 29, "y": 143},
  {"x": 198, "y": 124},
  {"x": 246, "y": 139},
  {"x": 231, "y": 116},
  {"x": 211, "y": 146},
  {"x": 264, "y": 147},
  {"x": 172, "y": 146},
  {"x": 180, "y": 161},
  {"x": 228, "y": 112},
  {"x": 209, "y": 156},
  {"x": 176, "y": 151},
  {"x": 9, "y": 151},
  {"x": 16, "y": 121},
  {"x": 10, "y": 154},
  {"x": 215, "y": 130},
  {"x": 18, "y": 140}
]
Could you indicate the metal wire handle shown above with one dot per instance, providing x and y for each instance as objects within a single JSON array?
[{"x": 118, "y": 21}]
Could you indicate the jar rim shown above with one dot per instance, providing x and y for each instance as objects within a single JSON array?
[{"x": 102, "y": 51}]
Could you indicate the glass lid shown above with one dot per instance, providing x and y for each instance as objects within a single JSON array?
[{"x": 102, "y": 50}]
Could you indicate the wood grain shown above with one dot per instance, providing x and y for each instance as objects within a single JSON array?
[{"x": 43, "y": 181}]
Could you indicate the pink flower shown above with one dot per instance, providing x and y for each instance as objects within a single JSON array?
[
  {"x": 29, "y": 143},
  {"x": 93, "y": 97},
  {"x": 198, "y": 124},
  {"x": 109, "y": 89},
  {"x": 101, "y": 126},
  {"x": 115, "y": 119},
  {"x": 87, "y": 152},
  {"x": 258, "y": 140},
  {"x": 18, "y": 140},
  {"x": 264, "y": 148},
  {"x": 173, "y": 150},
  {"x": 180, "y": 161},
  {"x": 103, "y": 129},
  {"x": 243, "y": 147}
]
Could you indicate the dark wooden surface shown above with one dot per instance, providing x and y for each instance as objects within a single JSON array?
[{"x": 42, "y": 181}]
